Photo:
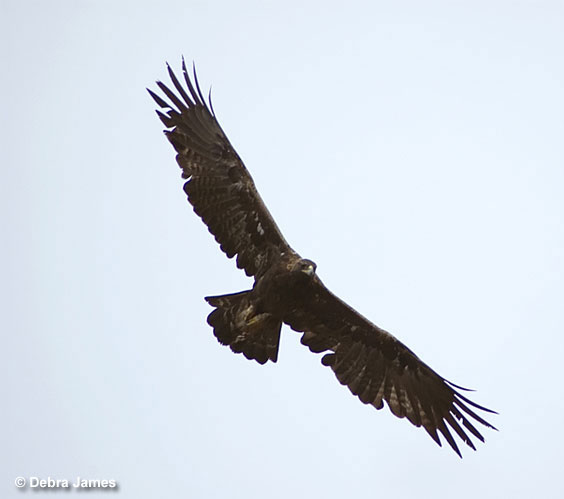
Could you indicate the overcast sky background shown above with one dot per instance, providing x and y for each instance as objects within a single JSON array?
[{"x": 412, "y": 149}]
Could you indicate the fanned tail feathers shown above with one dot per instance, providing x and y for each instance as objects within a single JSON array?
[{"x": 237, "y": 323}]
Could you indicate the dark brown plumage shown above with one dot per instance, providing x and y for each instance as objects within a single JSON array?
[{"x": 371, "y": 362}]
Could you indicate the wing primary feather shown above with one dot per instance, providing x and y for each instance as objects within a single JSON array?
[
  {"x": 179, "y": 87},
  {"x": 475, "y": 416},
  {"x": 458, "y": 386},
  {"x": 448, "y": 436},
  {"x": 189, "y": 83},
  {"x": 160, "y": 102},
  {"x": 432, "y": 431},
  {"x": 179, "y": 104},
  {"x": 197, "y": 83},
  {"x": 210, "y": 101},
  {"x": 473, "y": 404},
  {"x": 459, "y": 431},
  {"x": 165, "y": 118},
  {"x": 469, "y": 426}
]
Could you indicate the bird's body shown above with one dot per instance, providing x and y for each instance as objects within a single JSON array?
[{"x": 370, "y": 361}]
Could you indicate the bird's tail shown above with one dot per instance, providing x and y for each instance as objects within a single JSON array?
[{"x": 237, "y": 323}]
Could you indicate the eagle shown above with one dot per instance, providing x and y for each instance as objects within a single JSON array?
[{"x": 375, "y": 366}]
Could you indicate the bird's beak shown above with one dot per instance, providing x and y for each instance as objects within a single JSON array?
[{"x": 309, "y": 270}]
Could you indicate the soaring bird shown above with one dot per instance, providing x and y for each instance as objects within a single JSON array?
[{"x": 375, "y": 365}]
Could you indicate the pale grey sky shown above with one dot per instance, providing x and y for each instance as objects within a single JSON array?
[{"x": 412, "y": 149}]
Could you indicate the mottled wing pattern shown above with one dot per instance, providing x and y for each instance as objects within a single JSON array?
[
  {"x": 219, "y": 187},
  {"x": 377, "y": 367}
]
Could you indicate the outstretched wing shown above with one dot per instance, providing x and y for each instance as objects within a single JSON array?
[
  {"x": 219, "y": 187},
  {"x": 377, "y": 367}
]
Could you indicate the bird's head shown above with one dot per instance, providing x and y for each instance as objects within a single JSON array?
[{"x": 306, "y": 266}]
